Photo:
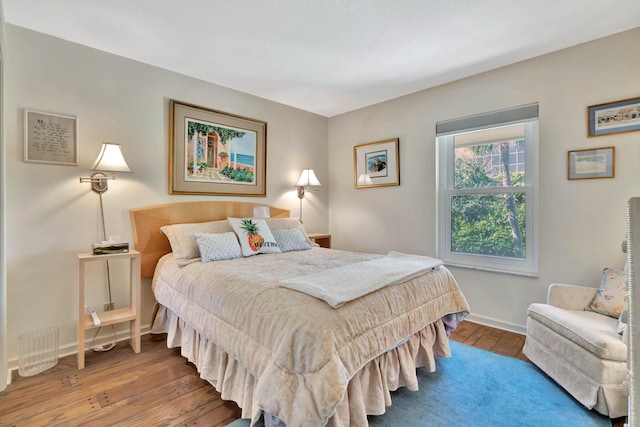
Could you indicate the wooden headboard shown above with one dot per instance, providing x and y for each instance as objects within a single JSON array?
[{"x": 152, "y": 244}]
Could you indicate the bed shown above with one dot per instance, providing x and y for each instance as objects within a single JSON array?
[{"x": 282, "y": 352}]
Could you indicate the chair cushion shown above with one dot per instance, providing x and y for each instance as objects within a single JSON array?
[{"x": 594, "y": 332}]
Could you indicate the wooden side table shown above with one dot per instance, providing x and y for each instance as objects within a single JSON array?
[
  {"x": 129, "y": 314},
  {"x": 324, "y": 240}
]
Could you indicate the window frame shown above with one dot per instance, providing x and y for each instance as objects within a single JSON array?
[{"x": 445, "y": 148}]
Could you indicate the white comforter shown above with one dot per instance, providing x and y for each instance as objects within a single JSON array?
[
  {"x": 302, "y": 351},
  {"x": 337, "y": 286}
]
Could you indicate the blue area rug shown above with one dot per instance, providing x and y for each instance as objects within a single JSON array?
[{"x": 479, "y": 388}]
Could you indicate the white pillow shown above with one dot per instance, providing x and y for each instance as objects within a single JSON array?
[
  {"x": 219, "y": 246},
  {"x": 291, "y": 240},
  {"x": 254, "y": 236},
  {"x": 183, "y": 244}
]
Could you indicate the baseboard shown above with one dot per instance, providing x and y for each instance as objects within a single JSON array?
[
  {"x": 72, "y": 348},
  {"x": 495, "y": 323}
]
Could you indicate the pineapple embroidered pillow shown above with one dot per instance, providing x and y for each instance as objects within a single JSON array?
[{"x": 254, "y": 236}]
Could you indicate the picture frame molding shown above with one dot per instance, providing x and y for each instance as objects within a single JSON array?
[
  {"x": 179, "y": 113},
  {"x": 391, "y": 176},
  {"x": 593, "y": 111},
  {"x": 46, "y": 134},
  {"x": 574, "y": 156}
]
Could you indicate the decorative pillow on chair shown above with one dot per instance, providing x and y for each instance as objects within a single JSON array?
[
  {"x": 613, "y": 294},
  {"x": 291, "y": 240},
  {"x": 254, "y": 236},
  {"x": 219, "y": 246}
]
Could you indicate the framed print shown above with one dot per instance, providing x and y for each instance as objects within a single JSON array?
[
  {"x": 377, "y": 164},
  {"x": 216, "y": 153},
  {"x": 592, "y": 163},
  {"x": 50, "y": 138},
  {"x": 614, "y": 117}
]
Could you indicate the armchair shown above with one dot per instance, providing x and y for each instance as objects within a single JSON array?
[{"x": 580, "y": 350}]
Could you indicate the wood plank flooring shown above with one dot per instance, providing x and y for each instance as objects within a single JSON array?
[{"x": 157, "y": 387}]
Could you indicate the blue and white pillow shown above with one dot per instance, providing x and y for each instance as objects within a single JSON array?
[
  {"x": 291, "y": 240},
  {"x": 219, "y": 246}
]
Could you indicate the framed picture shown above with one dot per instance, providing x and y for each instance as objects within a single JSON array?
[
  {"x": 50, "y": 138},
  {"x": 377, "y": 164},
  {"x": 216, "y": 153},
  {"x": 614, "y": 117},
  {"x": 592, "y": 163}
]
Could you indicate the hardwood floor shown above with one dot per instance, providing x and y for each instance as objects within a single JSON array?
[
  {"x": 157, "y": 387},
  {"x": 491, "y": 339}
]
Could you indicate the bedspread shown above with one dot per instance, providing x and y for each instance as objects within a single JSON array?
[{"x": 302, "y": 351}]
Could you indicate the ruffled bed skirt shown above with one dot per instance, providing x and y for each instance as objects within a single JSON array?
[{"x": 368, "y": 392}]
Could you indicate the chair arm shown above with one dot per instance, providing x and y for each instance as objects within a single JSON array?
[{"x": 570, "y": 297}]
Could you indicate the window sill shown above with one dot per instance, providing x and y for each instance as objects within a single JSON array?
[{"x": 492, "y": 270}]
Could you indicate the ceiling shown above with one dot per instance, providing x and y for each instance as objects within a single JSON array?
[{"x": 326, "y": 56}]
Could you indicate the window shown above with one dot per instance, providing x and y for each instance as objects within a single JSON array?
[{"x": 487, "y": 191}]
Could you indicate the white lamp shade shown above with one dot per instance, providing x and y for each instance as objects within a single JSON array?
[
  {"x": 308, "y": 179},
  {"x": 110, "y": 159}
]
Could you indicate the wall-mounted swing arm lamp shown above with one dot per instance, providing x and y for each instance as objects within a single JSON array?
[
  {"x": 307, "y": 182},
  {"x": 110, "y": 159}
]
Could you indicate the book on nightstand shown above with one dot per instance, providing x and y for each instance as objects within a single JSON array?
[{"x": 109, "y": 248}]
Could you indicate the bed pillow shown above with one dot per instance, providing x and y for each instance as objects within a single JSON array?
[
  {"x": 183, "y": 244},
  {"x": 254, "y": 236},
  {"x": 218, "y": 246},
  {"x": 291, "y": 240},
  {"x": 288, "y": 224},
  {"x": 613, "y": 294}
]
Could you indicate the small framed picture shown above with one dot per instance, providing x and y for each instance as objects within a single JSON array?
[
  {"x": 614, "y": 117},
  {"x": 592, "y": 163},
  {"x": 377, "y": 164},
  {"x": 50, "y": 138}
]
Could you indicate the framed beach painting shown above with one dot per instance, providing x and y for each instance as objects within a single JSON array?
[
  {"x": 216, "y": 153},
  {"x": 592, "y": 163},
  {"x": 614, "y": 117},
  {"x": 377, "y": 164}
]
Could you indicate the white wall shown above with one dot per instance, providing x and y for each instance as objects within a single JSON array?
[
  {"x": 51, "y": 216},
  {"x": 581, "y": 222}
]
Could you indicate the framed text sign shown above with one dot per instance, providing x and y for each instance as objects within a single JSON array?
[{"x": 50, "y": 138}]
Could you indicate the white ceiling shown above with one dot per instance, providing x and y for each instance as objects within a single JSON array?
[{"x": 326, "y": 56}]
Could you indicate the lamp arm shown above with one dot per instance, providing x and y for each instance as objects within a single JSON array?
[{"x": 98, "y": 181}]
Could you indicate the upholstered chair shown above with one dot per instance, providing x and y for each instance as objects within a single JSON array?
[{"x": 582, "y": 350}]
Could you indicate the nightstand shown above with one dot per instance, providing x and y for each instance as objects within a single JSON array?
[
  {"x": 129, "y": 314},
  {"x": 324, "y": 240}
]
